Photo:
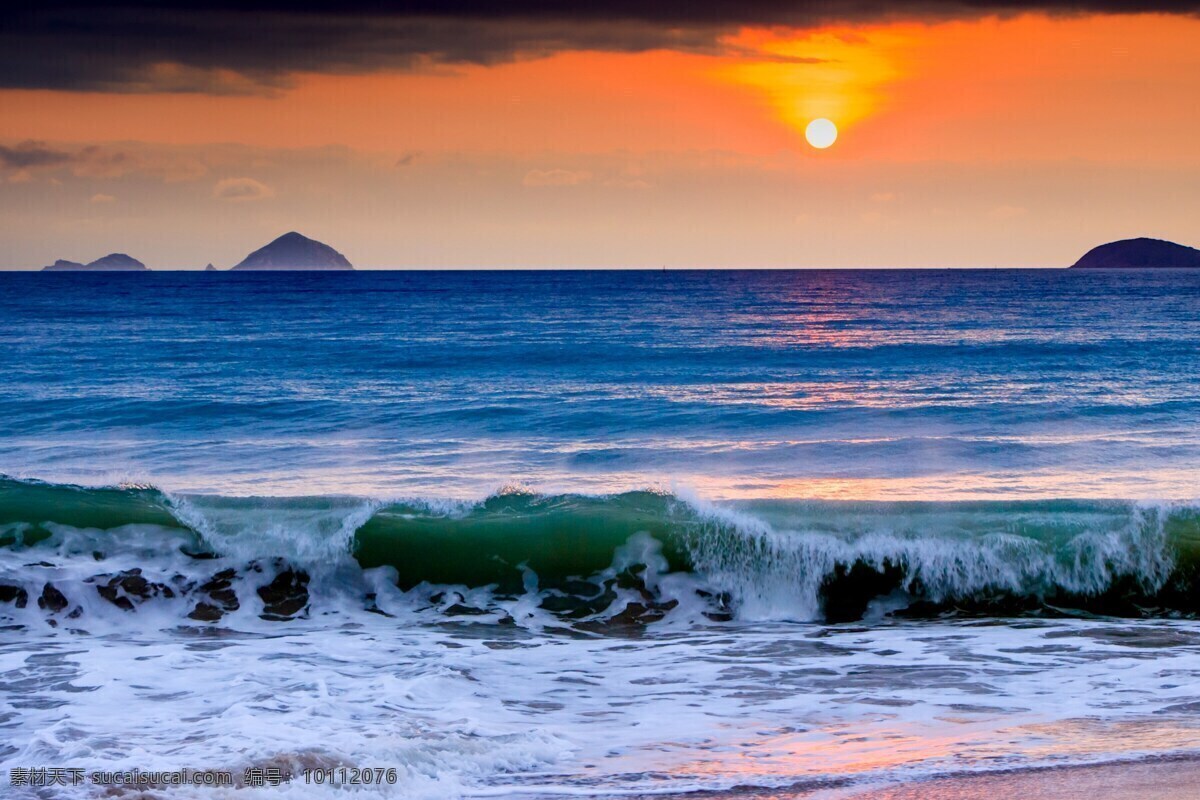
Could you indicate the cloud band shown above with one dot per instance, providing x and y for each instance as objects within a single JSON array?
[{"x": 255, "y": 46}]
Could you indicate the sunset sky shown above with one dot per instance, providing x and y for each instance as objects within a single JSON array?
[{"x": 546, "y": 133}]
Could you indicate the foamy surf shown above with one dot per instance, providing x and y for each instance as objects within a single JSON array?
[
  {"x": 532, "y": 645},
  {"x": 480, "y": 710}
]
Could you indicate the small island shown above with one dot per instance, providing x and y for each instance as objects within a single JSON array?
[
  {"x": 1140, "y": 253},
  {"x": 292, "y": 251},
  {"x": 113, "y": 262}
]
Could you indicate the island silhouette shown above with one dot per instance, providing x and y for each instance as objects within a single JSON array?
[
  {"x": 1141, "y": 253},
  {"x": 294, "y": 251},
  {"x": 113, "y": 262}
]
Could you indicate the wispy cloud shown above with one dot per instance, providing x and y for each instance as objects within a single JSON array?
[
  {"x": 240, "y": 190},
  {"x": 556, "y": 177},
  {"x": 29, "y": 158}
]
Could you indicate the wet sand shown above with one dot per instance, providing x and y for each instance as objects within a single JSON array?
[
  {"x": 1144, "y": 780},
  {"x": 1153, "y": 779}
]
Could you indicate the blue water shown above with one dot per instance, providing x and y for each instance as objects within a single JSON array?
[{"x": 863, "y": 384}]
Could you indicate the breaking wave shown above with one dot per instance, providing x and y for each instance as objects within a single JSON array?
[{"x": 69, "y": 554}]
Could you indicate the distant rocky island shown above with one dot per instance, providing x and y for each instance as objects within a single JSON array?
[
  {"x": 113, "y": 262},
  {"x": 293, "y": 251},
  {"x": 1140, "y": 254}
]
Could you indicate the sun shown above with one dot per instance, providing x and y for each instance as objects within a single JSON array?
[{"x": 821, "y": 133}]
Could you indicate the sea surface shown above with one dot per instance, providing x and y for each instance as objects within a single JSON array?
[{"x": 594, "y": 534}]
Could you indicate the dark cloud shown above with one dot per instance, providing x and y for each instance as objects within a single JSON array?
[
  {"x": 31, "y": 154},
  {"x": 236, "y": 46},
  {"x": 101, "y": 161}
]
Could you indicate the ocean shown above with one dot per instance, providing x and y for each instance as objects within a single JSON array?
[{"x": 593, "y": 534}]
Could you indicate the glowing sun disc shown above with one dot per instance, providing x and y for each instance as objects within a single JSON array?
[{"x": 821, "y": 133}]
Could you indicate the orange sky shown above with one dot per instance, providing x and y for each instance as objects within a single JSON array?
[{"x": 1118, "y": 92}]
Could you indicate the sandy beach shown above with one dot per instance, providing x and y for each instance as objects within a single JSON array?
[{"x": 1152, "y": 779}]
